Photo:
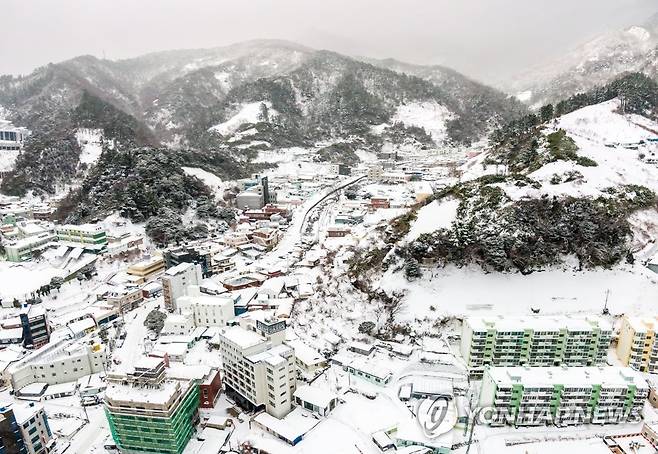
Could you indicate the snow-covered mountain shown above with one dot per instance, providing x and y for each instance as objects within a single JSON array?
[
  {"x": 180, "y": 95},
  {"x": 634, "y": 49}
]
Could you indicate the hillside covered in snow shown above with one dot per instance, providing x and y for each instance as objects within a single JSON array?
[{"x": 569, "y": 200}]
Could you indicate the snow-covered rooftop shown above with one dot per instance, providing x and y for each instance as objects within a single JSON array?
[
  {"x": 242, "y": 337},
  {"x": 537, "y": 323},
  {"x": 315, "y": 395},
  {"x": 568, "y": 376}
]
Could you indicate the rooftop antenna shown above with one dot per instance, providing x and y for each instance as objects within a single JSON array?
[{"x": 606, "y": 311}]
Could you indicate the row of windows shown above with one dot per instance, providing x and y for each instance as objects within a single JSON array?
[{"x": 9, "y": 135}]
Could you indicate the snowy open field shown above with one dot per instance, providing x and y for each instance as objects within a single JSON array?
[{"x": 469, "y": 291}]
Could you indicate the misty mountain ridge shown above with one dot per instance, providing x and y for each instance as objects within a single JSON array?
[
  {"x": 181, "y": 94},
  {"x": 594, "y": 63}
]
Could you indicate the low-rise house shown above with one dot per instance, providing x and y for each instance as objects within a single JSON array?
[
  {"x": 377, "y": 203},
  {"x": 221, "y": 263},
  {"x": 10, "y": 336},
  {"x": 124, "y": 298},
  {"x": 361, "y": 348},
  {"x": 266, "y": 237},
  {"x": 244, "y": 281},
  {"x": 315, "y": 399},
  {"x": 337, "y": 231},
  {"x": 309, "y": 361},
  {"x": 178, "y": 325},
  {"x": 369, "y": 371},
  {"x": 235, "y": 239}
]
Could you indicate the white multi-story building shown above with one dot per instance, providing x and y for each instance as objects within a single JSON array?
[
  {"x": 207, "y": 310},
  {"x": 534, "y": 341},
  {"x": 34, "y": 427},
  {"x": 259, "y": 369},
  {"x": 530, "y": 396},
  {"x": 59, "y": 362},
  {"x": 178, "y": 325},
  {"x": 176, "y": 280},
  {"x": 196, "y": 309},
  {"x": 23, "y": 249},
  {"x": 11, "y": 137}
]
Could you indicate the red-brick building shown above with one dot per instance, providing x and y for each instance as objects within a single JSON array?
[
  {"x": 377, "y": 202},
  {"x": 210, "y": 389}
]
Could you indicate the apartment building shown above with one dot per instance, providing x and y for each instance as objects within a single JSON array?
[
  {"x": 36, "y": 329},
  {"x": 531, "y": 396},
  {"x": 176, "y": 280},
  {"x": 34, "y": 427},
  {"x": 637, "y": 346},
  {"x": 259, "y": 369},
  {"x": 147, "y": 412},
  {"x": 11, "y": 437},
  {"x": 60, "y": 362},
  {"x": 90, "y": 236},
  {"x": 534, "y": 341}
]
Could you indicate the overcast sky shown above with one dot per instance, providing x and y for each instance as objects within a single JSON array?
[{"x": 487, "y": 39}]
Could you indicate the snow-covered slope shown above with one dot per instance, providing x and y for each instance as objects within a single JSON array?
[
  {"x": 435, "y": 215},
  {"x": 609, "y": 138},
  {"x": 91, "y": 144},
  {"x": 209, "y": 179},
  {"x": 246, "y": 114},
  {"x": 431, "y": 116}
]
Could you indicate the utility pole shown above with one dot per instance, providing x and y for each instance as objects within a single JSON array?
[{"x": 605, "y": 306}]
